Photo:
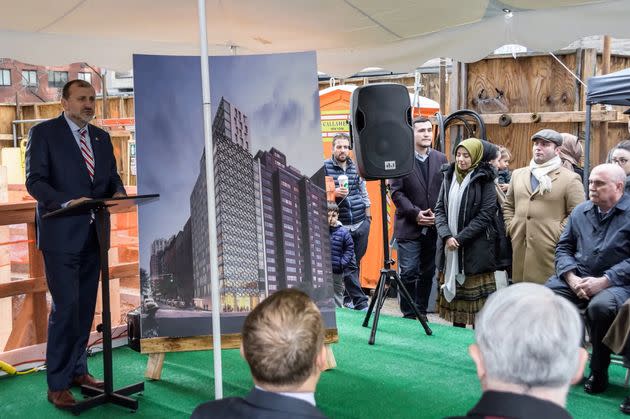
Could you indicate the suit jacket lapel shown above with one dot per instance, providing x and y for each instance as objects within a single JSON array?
[
  {"x": 528, "y": 182},
  {"x": 70, "y": 143},
  {"x": 430, "y": 172}
]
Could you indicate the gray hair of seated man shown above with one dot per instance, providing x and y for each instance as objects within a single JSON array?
[{"x": 529, "y": 336}]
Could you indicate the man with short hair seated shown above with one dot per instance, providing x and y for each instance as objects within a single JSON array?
[
  {"x": 283, "y": 343},
  {"x": 527, "y": 353},
  {"x": 593, "y": 262}
]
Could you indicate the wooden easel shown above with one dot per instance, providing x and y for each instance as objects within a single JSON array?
[{"x": 157, "y": 348}]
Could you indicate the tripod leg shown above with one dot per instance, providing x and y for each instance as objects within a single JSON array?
[
  {"x": 372, "y": 301},
  {"x": 405, "y": 294},
  {"x": 379, "y": 303}
]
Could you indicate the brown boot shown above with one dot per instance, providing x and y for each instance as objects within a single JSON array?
[
  {"x": 62, "y": 399},
  {"x": 87, "y": 380}
]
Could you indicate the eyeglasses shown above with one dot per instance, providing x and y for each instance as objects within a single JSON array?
[{"x": 621, "y": 161}]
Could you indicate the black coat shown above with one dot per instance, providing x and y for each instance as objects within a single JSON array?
[
  {"x": 411, "y": 194},
  {"x": 477, "y": 235}
]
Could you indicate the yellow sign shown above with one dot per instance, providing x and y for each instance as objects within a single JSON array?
[{"x": 335, "y": 125}]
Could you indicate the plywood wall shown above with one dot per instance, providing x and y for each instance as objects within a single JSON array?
[{"x": 538, "y": 84}]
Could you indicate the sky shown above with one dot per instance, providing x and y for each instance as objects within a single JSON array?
[{"x": 278, "y": 93}]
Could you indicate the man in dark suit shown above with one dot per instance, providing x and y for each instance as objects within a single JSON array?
[
  {"x": 526, "y": 374},
  {"x": 68, "y": 161},
  {"x": 415, "y": 196},
  {"x": 283, "y": 343}
]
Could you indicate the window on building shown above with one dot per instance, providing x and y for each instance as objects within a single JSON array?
[
  {"x": 57, "y": 78},
  {"x": 29, "y": 78},
  {"x": 5, "y": 77},
  {"x": 85, "y": 76}
]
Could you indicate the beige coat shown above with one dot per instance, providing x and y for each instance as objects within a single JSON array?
[{"x": 534, "y": 222}]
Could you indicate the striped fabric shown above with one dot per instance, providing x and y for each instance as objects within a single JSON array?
[{"x": 87, "y": 153}]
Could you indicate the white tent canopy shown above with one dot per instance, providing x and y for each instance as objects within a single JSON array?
[{"x": 348, "y": 35}]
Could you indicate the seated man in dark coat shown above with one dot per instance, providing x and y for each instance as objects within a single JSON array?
[
  {"x": 526, "y": 375},
  {"x": 283, "y": 343},
  {"x": 593, "y": 262}
]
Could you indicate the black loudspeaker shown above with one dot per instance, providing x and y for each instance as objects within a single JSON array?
[{"x": 380, "y": 118}]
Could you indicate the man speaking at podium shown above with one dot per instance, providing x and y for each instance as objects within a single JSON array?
[{"x": 68, "y": 161}]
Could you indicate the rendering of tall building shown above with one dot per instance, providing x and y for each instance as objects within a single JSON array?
[
  {"x": 272, "y": 229},
  {"x": 297, "y": 247},
  {"x": 237, "y": 229},
  {"x": 315, "y": 233}
]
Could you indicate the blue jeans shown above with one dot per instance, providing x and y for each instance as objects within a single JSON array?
[
  {"x": 416, "y": 259},
  {"x": 354, "y": 293}
]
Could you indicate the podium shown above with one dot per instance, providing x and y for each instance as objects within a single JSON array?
[{"x": 101, "y": 208}]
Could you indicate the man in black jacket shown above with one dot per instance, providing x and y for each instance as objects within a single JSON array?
[
  {"x": 526, "y": 374},
  {"x": 283, "y": 343},
  {"x": 415, "y": 196}
]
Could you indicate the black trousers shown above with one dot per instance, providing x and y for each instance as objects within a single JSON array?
[
  {"x": 601, "y": 310},
  {"x": 73, "y": 284},
  {"x": 416, "y": 259}
]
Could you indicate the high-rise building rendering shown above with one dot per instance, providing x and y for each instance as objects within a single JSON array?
[
  {"x": 297, "y": 246},
  {"x": 272, "y": 229},
  {"x": 235, "y": 201}
]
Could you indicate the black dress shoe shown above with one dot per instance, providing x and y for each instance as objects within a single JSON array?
[
  {"x": 625, "y": 406},
  {"x": 596, "y": 383}
]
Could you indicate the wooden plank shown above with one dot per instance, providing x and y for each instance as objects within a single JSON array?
[
  {"x": 22, "y": 326},
  {"x": 23, "y": 286},
  {"x": 154, "y": 366},
  {"x": 203, "y": 343},
  {"x": 527, "y": 84},
  {"x": 548, "y": 117},
  {"x": 124, "y": 270}
]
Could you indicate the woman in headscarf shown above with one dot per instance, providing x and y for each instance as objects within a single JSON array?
[
  {"x": 464, "y": 217},
  {"x": 571, "y": 153}
]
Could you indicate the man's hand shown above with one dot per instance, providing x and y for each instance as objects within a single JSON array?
[
  {"x": 591, "y": 286},
  {"x": 78, "y": 201},
  {"x": 119, "y": 195},
  {"x": 504, "y": 186},
  {"x": 575, "y": 283},
  {"x": 426, "y": 218},
  {"x": 341, "y": 192},
  {"x": 452, "y": 244}
]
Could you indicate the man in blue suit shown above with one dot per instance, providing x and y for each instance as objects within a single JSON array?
[{"x": 68, "y": 161}]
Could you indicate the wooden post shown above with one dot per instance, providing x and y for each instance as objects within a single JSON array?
[
  {"x": 331, "y": 362},
  {"x": 36, "y": 270},
  {"x": 442, "y": 86},
  {"x": 603, "y": 126},
  {"x": 154, "y": 366}
]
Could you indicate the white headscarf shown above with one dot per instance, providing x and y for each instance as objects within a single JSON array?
[{"x": 541, "y": 173}]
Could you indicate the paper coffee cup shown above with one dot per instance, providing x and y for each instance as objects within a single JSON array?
[{"x": 343, "y": 181}]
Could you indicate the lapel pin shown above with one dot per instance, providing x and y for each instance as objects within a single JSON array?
[{"x": 95, "y": 138}]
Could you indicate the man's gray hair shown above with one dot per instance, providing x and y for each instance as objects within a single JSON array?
[{"x": 528, "y": 335}]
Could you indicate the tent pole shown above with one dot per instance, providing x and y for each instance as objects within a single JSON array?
[
  {"x": 212, "y": 218},
  {"x": 587, "y": 146}
]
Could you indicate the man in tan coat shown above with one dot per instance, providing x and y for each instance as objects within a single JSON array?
[{"x": 538, "y": 203}]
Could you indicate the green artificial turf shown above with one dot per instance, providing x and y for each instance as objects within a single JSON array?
[{"x": 406, "y": 374}]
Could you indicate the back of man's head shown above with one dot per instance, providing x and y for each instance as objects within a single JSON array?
[
  {"x": 528, "y": 336},
  {"x": 282, "y": 338}
]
